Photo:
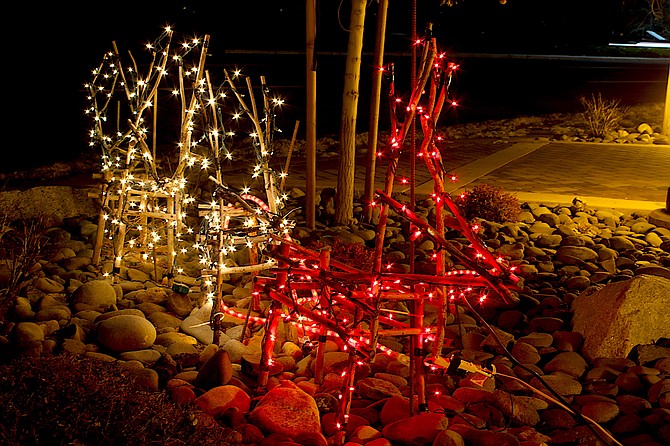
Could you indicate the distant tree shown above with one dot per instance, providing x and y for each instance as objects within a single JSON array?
[
  {"x": 344, "y": 199},
  {"x": 646, "y": 15}
]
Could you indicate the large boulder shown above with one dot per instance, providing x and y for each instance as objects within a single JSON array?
[{"x": 622, "y": 315}]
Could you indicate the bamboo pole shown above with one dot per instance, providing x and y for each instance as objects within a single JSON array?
[
  {"x": 271, "y": 323},
  {"x": 375, "y": 99},
  {"x": 288, "y": 156},
  {"x": 216, "y": 316},
  {"x": 269, "y": 341},
  {"x": 170, "y": 235},
  {"x": 214, "y": 137},
  {"x": 347, "y": 396},
  {"x": 118, "y": 248},
  {"x": 666, "y": 109},
  {"x": 416, "y": 352},
  {"x": 435, "y": 167},
  {"x": 270, "y": 187},
  {"x": 100, "y": 232},
  {"x": 154, "y": 134},
  {"x": 310, "y": 107},
  {"x": 324, "y": 265}
]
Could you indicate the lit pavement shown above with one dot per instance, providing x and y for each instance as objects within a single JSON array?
[{"x": 619, "y": 176}]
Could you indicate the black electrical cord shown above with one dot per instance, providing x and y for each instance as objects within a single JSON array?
[{"x": 556, "y": 395}]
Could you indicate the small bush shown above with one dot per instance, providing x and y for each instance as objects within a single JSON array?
[
  {"x": 489, "y": 203},
  {"x": 602, "y": 116},
  {"x": 73, "y": 399},
  {"x": 353, "y": 254}
]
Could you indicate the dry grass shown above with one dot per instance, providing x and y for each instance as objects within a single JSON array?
[
  {"x": 73, "y": 399},
  {"x": 602, "y": 116}
]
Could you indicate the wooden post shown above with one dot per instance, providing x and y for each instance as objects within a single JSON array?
[
  {"x": 416, "y": 353},
  {"x": 310, "y": 121},
  {"x": 666, "y": 112},
  {"x": 375, "y": 99},
  {"x": 216, "y": 316},
  {"x": 347, "y": 394},
  {"x": 265, "y": 140},
  {"x": 324, "y": 261},
  {"x": 271, "y": 323},
  {"x": 171, "y": 222},
  {"x": 154, "y": 135},
  {"x": 118, "y": 249},
  {"x": 344, "y": 198},
  {"x": 288, "y": 157},
  {"x": 100, "y": 233}
]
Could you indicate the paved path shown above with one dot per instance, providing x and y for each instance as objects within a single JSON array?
[
  {"x": 603, "y": 175},
  {"x": 620, "y": 176}
]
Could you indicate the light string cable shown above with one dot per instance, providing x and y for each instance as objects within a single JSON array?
[{"x": 590, "y": 423}]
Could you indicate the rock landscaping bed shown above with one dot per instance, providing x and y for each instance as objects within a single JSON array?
[
  {"x": 582, "y": 356},
  {"x": 552, "y": 384}
]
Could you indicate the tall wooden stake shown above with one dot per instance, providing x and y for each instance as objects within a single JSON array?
[
  {"x": 310, "y": 121},
  {"x": 666, "y": 114},
  {"x": 416, "y": 355},
  {"x": 375, "y": 99}
]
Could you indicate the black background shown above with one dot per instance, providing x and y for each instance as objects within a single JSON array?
[{"x": 51, "y": 48}]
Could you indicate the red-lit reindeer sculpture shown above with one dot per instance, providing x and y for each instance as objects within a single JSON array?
[{"x": 327, "y": 299}]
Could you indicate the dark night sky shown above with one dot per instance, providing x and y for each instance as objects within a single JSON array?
[{"x": 58, "y": 43}]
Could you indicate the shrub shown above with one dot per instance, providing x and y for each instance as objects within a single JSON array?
[
  {"x": 489, "y": 203},
  {"x": 602, "y": 116},
  {"x": 353, "y": 254},
  {"x": 74, "y": 399}
]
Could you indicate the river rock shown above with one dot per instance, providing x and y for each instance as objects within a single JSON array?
[
  {"x": 621, "y": 243},
  {"x": 236, "y": 349},
  {"x": 575, "y": 255},
  {"x": 364, "y": 434},
  {"x": 600, "y": 411},
  {"x": 95, "y": 294},
  {"x": 147, "y": 357},
  {"x": 416, "y": 430},
  {"x": 216, "y": 371},
  {"x": 126, "y": 333},
  {"x": 164, "y": 321},
  {"x": 570, "y": 363},
  {"x": 48, "y": 285},
  {"x": 519, "y": 409},
  {"x": 563, "y": 384},
  {"x": 217, "y": 400},
  {"x": 395, "y": 408},
  {"x": 286, "y": 410},
  {"x": 376, "y": 389},
  {"x": 329, "y": 423},
  {"x": 489, "y": 438},
  {"x": 25, "y": 332}
]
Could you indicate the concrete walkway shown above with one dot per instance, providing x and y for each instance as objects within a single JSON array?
[{"x": 618, "y": 176}]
